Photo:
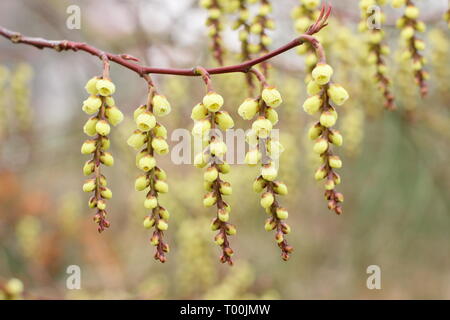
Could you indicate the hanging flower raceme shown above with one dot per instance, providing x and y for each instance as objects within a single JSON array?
[
  {"x": 215, "y": 25},
  {"x": 259, "y": 27},
  {"x": 149, "y": 139},
  {"x": 377, "y": 49},
  {"x": 304, "y": 15},
  {"x": 101, "y": 106},
  {"x": 410, "y": 26},
  {"x": 243, "y": 25},
  {"x": 265, "y": 149},
  {"x": 209, "y": 120},
  {"x": 324, "y": 97}
]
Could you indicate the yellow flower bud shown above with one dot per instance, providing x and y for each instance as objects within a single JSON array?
[
  {"x": 213, "y": 101},
  {"x": 311, "y": 4},
  {"x": 150, "y": 202},
  {"x": 208, "y": 186},
  {"x": 154, "y": 240},
  {"x": 209, "y": 199},
  {"x": 89, "y": 185},
  {"x": 160, "y": 131},
  {"x": 301, "y": 25},
  {"x": 275, "y": 148},
  {"x": 225, "y": 188},
  {"x": 103, "y": 181},
  {"x": 320, "y": 146},
  {"x": 248, "y": 109},
  {"x": 243, "y": 35},
  {"x": 230, "y": 229},
  {"x": 160, "y": 146},
  {"x": 101, "y": 204},
  {"x": 259, "y": 184},
  {"x": 312, "y": 104},
  {"x": 270, "y": 224},
  {"x": 218, "y": 148},
  {"x": 88, "y": 147},
  {"x": 262, "y": 127},
  {"x": 328, "y": 119},
  {"x": 302, "y": 49},
  {"x": 160, "y": 173},
  {"x": 253, "y": 48},
  {"x": 269, "y": 172},
  {"x": 114, "y": 115},
  {"x": 224, "y": 120},
  {"x": 280, "y": 188},
  {"x": 162, "y": 225},
  {"x": 282, "y": 213},
  {"x": 107, "y": 159},
  {"x": 412, "y": 12},
  {"x": 320, "y": 174},
  {"x": 102, "y": 127},
  {"x": 91, "y": 86},
  {"x": 315, "y": 131},
  {"x": 256, "y": 28},
  {"x": 215, "y": 224},
  {"x": 322, "y": 73},
  {"x": 14, "y": 287},
  {"x": 205, "y": 3},
  {"x": 161, "y": 107},
  {"x": 92, "y": 104},
  {"x": 329, "y": 185},
  {"x": 421, "y": 26},
  {"x": 105, "y": 87},
  {"x": 224, "y": 168},
  {"x": 141, "y": 182},
  {"x": 335, "y": 138},
  {"x": 266, "y": 40},
  {"x": 311, "y": 60},
  {"x": 407, "y": 33},
  {"x": 201, "y": 128},
  {"x": 149, "y": 222},
  {"x": 89, "y": 127},
  {"x": 271, "y": 97},
  {"x": 267, "y": 199},
  {"x": 139, "y": 111},
  {"x": 164, "y": 213},
  {"x": 88, "y": 167},
  {"x": 252, "y": 157},
  {"x": 335, "y": 162},
  {"x": 313, "y": 88},
  {"x": 272, "y": 115},
  {"x": 161, "y": 186},
  {"x": 398, "y": 3},
  {"x": 146, "y": 121},
  {"x": 419, "y": 44},
  {"x": 270, "y": 24},
  {"x": 200, "y": 160},
  {"x": 106, "y": 193},
  {"x": 137, "y": 139},
  {"x": 223, "y": 215},
  {"x": 110, "y": 101},
  {"x": 219, "y": 239},
  {"x": 146, "y": 163},
  {"x": 400, "y": 23},
  {"x": 211, "y": 174},
  {"x": 92, "y": 203},
  {"x": 199, "y": 112},
  {"x": 337, "y": 94}
]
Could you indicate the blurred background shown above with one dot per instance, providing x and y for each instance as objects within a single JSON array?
[{"x": 396, "y": 177}]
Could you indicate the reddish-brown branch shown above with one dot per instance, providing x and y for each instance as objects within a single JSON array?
[{"x": 128, "y": 61}]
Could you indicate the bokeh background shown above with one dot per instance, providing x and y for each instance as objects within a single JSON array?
[{"x": 396, "y": 177}]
